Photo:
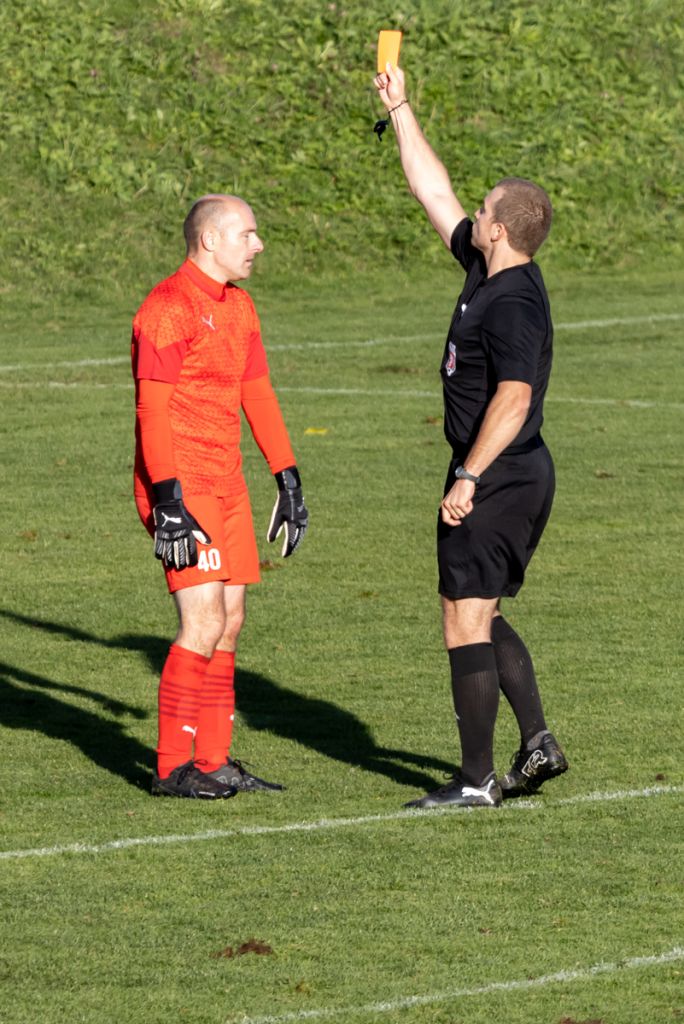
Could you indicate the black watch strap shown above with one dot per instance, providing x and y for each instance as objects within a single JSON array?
[{"x": 462, "y": 474}]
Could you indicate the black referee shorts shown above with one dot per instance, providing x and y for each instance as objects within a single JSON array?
[{"x": 486, "y": 556}]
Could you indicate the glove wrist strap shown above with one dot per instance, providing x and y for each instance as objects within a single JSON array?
[
  {"x": 288, "y": 479},
  {"x": 167, "y": 490}
]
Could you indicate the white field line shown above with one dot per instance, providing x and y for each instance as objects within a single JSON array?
[
  {"x": 61, "y": 385},
  {"x": 401, "y": 339},
  {"x": 325, "y": 823},
  {"x": 113, "y": 361},
  {"x": 520, "y": 985},
  {"x": 630, "y": 403},
  {"x": 627, "y": 403}
]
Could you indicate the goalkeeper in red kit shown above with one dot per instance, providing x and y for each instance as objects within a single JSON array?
[{"x": 198, "y": 359}]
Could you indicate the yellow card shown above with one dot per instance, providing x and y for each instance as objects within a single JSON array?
[{"x": 389, "y": 43}]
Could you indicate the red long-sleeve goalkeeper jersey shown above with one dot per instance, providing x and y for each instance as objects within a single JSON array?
[{"x": 204, "y": 338}]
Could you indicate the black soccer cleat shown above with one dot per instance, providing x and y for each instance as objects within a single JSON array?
[
  {"x": 531, "y": 768},
  {"x": 235, "y": 775},
  {"x": 188, "y": 781},
  {"x": 458, "y": 792}
]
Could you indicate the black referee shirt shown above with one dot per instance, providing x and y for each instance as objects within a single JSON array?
[{"x": 501, "y": 330}]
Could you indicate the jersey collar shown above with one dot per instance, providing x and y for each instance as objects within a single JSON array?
[{"x": 213, "y": 288}]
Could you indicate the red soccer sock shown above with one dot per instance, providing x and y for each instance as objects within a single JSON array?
[
  {"x": 179, "y": 703},
  {"x": 217, "y": 708}
]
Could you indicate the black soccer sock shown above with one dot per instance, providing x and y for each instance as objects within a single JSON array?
[
  {"x": 517, "y": 680},
  {"x": 475, "y": 689}
]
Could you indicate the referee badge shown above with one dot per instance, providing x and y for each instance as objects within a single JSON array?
[{"x": 451, "y": 361}]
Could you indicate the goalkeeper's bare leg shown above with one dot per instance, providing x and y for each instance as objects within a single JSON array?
[{"x": 202, "y": 610}]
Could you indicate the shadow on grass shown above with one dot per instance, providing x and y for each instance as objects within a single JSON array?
[
  {"x": 263, "y": 704},
  {"x": 27, "y": 701},
  {"x": 329, "y": 729}
]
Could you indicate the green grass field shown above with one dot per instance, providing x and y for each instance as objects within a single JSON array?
[
  {"x": 119, "y": 908},
  {"x": 564, "y": 908}
]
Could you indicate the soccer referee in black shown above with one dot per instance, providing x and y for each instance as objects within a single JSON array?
[{"x": 500, "y": 484}]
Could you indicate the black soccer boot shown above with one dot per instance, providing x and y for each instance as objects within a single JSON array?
[
  {"x": 532, "y": 767},
  {"x": 234, "y": 774},
  {"x": 188, "y": 781},
  {"x": 458, "y": 792}
]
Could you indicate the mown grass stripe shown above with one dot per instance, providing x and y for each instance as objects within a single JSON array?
[
  {"x": 324, "y": 823},
  {"x": 402, "y": 339},
  {"x": 517, "y": 985},
  {"x": 628, "y": 403}
]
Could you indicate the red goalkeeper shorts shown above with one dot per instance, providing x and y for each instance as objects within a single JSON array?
[{"x": 232, "y": 555}]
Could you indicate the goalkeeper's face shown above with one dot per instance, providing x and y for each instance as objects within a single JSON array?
[{"x": 238, "y": 243}]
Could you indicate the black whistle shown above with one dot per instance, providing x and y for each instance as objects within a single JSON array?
[{"x": 380, "y": 126}]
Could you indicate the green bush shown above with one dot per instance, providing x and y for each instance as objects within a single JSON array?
[{"x": 116, "y": 115}]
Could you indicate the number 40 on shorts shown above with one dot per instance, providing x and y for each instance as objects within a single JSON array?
[{"x": 210, "y": 559}]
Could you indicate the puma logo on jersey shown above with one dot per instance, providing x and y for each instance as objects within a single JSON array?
[
  {"x": 209, "y": 322},
  {"x": 189, "y": 728},
  {"x": 170, "y": 519}
]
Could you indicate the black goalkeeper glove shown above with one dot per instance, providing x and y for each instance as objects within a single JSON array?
[
  {"x": 289, "y": 512},
  {"x": 176, "y": 531}
]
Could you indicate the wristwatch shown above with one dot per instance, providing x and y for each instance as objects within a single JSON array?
[{"x": 462, "y": 474}]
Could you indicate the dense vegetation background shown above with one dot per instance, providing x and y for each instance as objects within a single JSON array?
[{"x": 115, "y": 115}]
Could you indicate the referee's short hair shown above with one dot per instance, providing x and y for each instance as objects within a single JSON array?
[{"x": 525, "y": 211}]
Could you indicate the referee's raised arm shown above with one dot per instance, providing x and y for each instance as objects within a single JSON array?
[{"x": 426, "y": 174}]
